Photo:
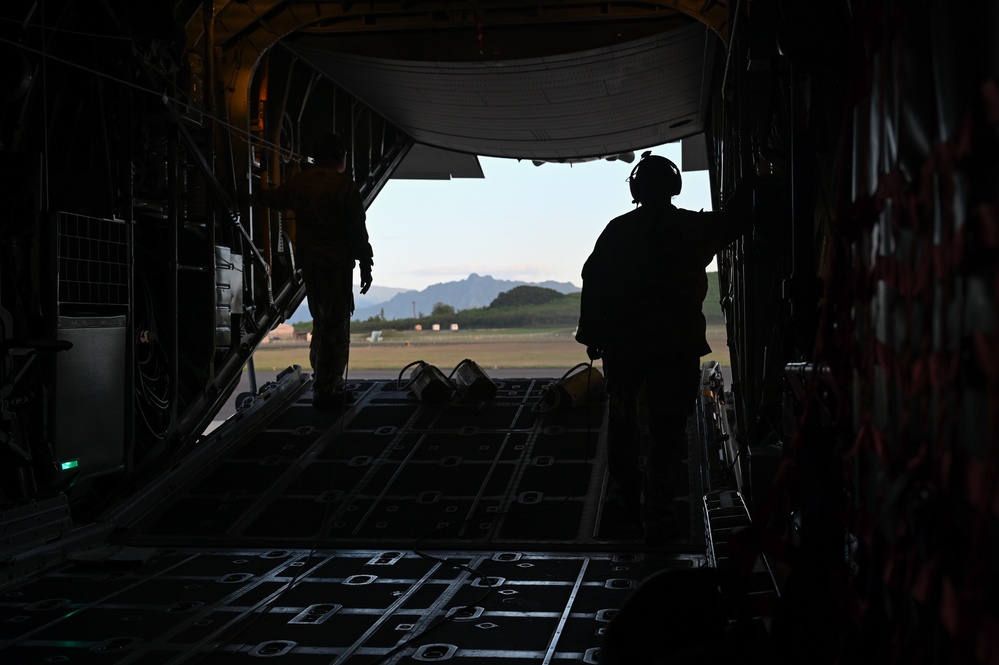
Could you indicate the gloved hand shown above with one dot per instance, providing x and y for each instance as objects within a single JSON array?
[
  {"x": 593, "y": 353},
  {"x": 366, "y": 276}
]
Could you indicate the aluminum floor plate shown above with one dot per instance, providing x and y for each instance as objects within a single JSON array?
[
  {"x": 387, "y": 532},
  {"x": 494, "y": 474},
  {"x": 323, "y": 606}
]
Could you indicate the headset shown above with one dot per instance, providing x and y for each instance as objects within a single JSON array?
[{"x": 654, "y": 178}]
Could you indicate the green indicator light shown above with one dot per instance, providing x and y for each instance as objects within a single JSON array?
[{"x": 72, "y": 464}]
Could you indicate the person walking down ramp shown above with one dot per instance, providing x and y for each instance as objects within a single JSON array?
[{"x": 331, "y": 236}]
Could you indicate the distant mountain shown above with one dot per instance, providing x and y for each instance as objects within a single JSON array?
[
  {"x": 374, "y": 296},
  {"x": 475, "y": 291}
]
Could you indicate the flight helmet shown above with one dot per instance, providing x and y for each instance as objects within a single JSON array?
[{"x": 654, "y": 178}]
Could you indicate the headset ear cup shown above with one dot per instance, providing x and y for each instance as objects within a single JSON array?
[
  {"x": 633, "y": 185},
  {"x": 677, "y": 183}
]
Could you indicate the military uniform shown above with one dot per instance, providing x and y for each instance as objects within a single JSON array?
[
  {"x": 643, "y": 288},
  {"x": 330, "y": 236}
]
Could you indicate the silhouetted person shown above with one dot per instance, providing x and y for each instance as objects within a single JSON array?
[
  {"x": 643, "y": 287},
  {"x": 330, "y": 237}
]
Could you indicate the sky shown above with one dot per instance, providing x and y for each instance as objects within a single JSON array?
[{"x": 521, "y": 222}]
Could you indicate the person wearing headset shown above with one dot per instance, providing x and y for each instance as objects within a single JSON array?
[
  {"x": 330, "y": 236},
  {"x": 640, "y": 311}
]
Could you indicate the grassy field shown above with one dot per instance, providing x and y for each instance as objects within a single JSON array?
[{"x": 490, "y": 349}]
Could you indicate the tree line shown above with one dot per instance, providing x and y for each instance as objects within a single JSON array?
[{"x": 520, "y": 307}]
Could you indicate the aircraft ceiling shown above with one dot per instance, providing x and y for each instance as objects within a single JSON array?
[
  {"x": 554, "y": 81},
  {"x": 597, "y": 102}
]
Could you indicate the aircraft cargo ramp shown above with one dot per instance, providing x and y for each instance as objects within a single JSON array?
[{"x": 387, "y": 530}]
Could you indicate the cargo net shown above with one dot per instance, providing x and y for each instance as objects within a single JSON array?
[
  {"x": 910, "y": 333},
  {"x": 93, "y": 260}
]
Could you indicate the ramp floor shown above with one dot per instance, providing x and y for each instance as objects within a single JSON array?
[{"x": 385, "y": 530}]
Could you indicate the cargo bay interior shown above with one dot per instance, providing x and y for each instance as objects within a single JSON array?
[{"x": 842, "y": 482}]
